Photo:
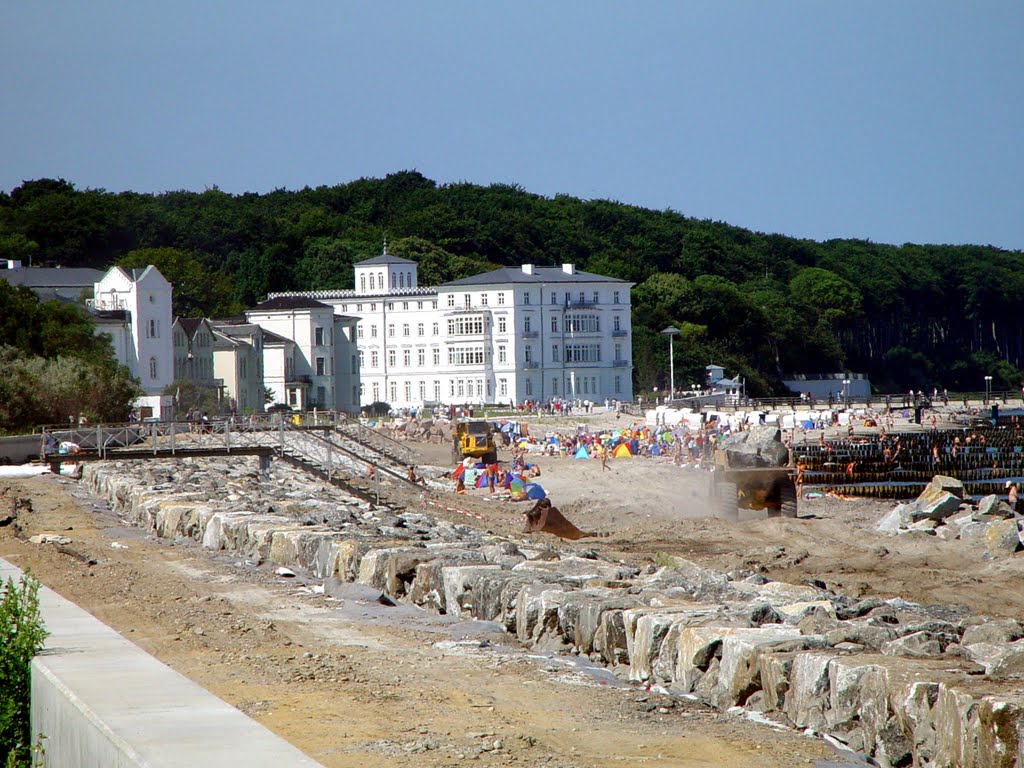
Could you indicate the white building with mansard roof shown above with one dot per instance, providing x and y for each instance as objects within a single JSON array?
[{"x": 509, "y": 335}]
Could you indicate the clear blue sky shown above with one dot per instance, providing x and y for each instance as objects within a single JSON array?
[{"x": 893, "y": 120}]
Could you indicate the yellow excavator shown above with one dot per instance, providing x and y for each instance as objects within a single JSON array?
[{"x": 474, "y": 438}]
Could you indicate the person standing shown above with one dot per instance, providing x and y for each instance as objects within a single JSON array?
[{"x": 1012, "y": 495}]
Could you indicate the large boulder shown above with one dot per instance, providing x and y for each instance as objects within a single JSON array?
[
  {"x": 993, "y": 506},
  {"x": 760, "y": 446}
]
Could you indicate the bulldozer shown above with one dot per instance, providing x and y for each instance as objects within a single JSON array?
[
  {"x": 753, "y": 470},
  {"x": 474, "y": 438}
]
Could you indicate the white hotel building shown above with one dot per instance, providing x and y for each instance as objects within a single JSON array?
[{"x": 510, "y": 335}]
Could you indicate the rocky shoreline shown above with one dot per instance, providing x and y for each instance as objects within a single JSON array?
[{"x": 902, "y": 683}]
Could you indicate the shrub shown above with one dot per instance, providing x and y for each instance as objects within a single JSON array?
[{"x": 21, "y": 636}]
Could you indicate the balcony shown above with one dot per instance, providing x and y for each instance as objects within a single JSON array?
[
  {"x": 585, "y": 304},
  {"x": 531, "y": 334},
  {"x": 299, "y": 379},
  {"x": 620, "y": 363},
  {"x": 531, "y": 364},
  {"x": 619, "y": 333}
]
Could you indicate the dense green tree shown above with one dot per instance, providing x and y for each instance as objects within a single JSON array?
[{"x": 768, "y": 304}]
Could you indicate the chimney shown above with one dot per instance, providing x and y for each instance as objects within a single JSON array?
[
  {"x": 569, "y": 269},
  {"x": 527, "y": 269}
]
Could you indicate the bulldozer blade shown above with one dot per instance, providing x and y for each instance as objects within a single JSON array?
[{"x": 545, "y": 518}]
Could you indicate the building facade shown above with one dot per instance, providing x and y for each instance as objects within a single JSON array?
[
  {"x": 321, "y": 368},
  {"x": 511, "y": 335},
  {"x": 134, "y": 307},
  {"x": 238, "y": 362}
]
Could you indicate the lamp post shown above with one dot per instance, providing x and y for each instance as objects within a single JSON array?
[
  {"x": 988, "y": 389},
  {"x": 846, "y": 391},
  {"x": 671, "y": 332}
]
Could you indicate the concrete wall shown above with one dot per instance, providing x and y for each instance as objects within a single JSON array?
[{"x": 101, "y": 701}]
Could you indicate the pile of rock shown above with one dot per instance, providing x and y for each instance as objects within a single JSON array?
[
  {"x": 901, "y": 682},
  {"x": 941, "y": 510},
  {"x": 427, "y": 431}
]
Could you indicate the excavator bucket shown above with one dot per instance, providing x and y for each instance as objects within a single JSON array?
[{"x": 546, "y": 518}]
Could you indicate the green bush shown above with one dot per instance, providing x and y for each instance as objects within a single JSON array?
[{"x": 21, "y": 637}]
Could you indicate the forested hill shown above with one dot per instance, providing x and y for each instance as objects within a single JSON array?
[{"x": 761, "y": 305}]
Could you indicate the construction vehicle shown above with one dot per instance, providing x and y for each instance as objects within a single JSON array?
[
  {"x": 474, "y": 438},
  {"x": 753, "y": 470}
]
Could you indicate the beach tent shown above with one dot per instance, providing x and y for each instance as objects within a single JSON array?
[
  {"x": 622, "y": 451},
  {"x": 581, "y": 453},
  {"x": 534, "y": 491}
]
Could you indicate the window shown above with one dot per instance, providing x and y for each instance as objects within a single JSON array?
[
  {"x": 374, "y": 359},
  {"x": 555, "y": 357},
  {"x": 526, "y": 323},
  {"x": 362, "y": 282},
  {"x": 582, "y": 323},
  {"x": 420, "y": 331},
  {"x": 437, "y": 357},
  {"x": 373, "y": 331},
  {"x": 419, "y": 305},
  {"x": 153, "y": 330},
  {"x": 501, "y": 325},
  {"x": 391, "y": 306},
  {"x": 394, "y": 280},
  {"x": 318, "y": 336},
  {"x": 451, "y": 388},
  {"x": 405, "y": 329},
  {"x": 406, "y": 357},
  {"x": 359, "y": 331},
  {"x": 437, "y": 328},
  {"x": 526, "y": 297},
  {"x": 501, "y": 298},
  {"x": 391, "y": 357},
  {"x": 467, "y": 301},
  {"x": 408, "y": 279},
  {"x": 567, "y": 298},
  {"x": 421, "y": 357},
  {"x": 528, "y": 354},
  {"x": 408, "y": 384},
  {"x": 460, "y": 389},
  {"x": 451, "y": 299},
  {"x": 152, "y": 367},
  {"x": 483, "y": 299},
  {"x": 502, "y": 387},
  {"x": 321, "y": 366},
  {"x": 361, "y": 358},
  {"x": 616, "y": 323},
  {"x": 433, "y": 305},
  {"x": 359, "y": 307},
  {"x": 321, "y": 396},
  {"x": 472, "y": 325},
  {"x": 554, "y": 324},
  {"x": 437, "y": 389},
  {"x": 618, "y": 352},
  {"x": 596, "y": 297},
  {"x": 423, "y": 390},
  {"x": 394, "y": 391},
  {"x": 615, "y": 297},
  {"x": 380, "y": 279},
  {"x": 401, "y": 284},
  {"x": 405, "y": 305},
  {"x": 372, "y": 283},
  {"x": 373, "y": 306},
  {"x": 582, "y": 353},
  {"x": 529, "y": 386},
  {"x": 554, "y": 385},
  {"x": 582, "y": 297},
  {"x": 376, "y": 393},
  {"x": 502, "y": 354},
  {"x": 465, "y": 356},
  {"x": 554, "y": 297},
  {"x": 362, "y": 389},
  {"x": 293, "y": 397},
  {"x": 391, "y": 329},
  {"x": 243, "y": 368},
  {"x": 344, "y": 307}
]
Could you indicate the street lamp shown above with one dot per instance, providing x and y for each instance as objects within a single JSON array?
[
  {"x": 846, "y": 391},
  {"x": 988, "y": 389},
  {"x": 671, "y": 332}
]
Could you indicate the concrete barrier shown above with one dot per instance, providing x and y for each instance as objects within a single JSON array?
[{"x": 99, "y": 700}]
